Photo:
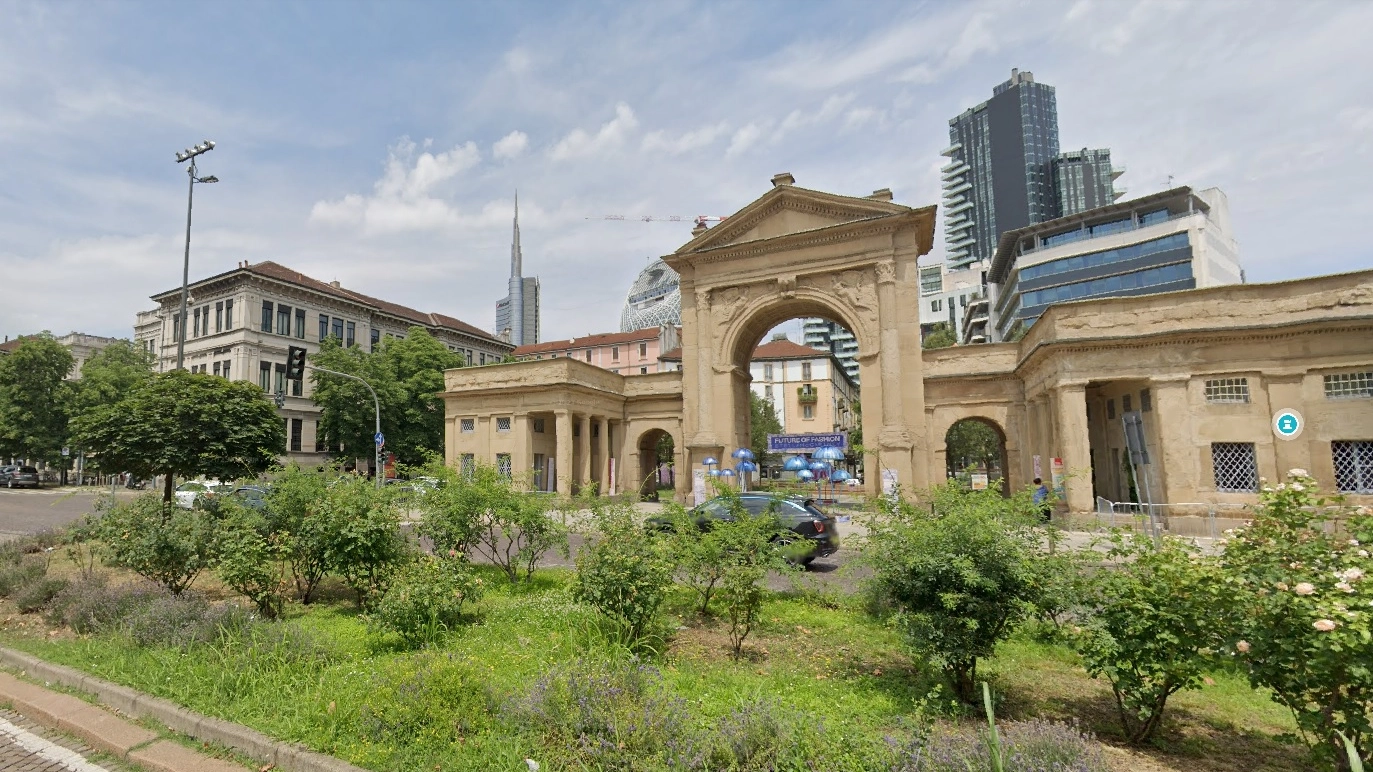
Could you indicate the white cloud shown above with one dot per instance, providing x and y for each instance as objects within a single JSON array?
[
  {"x": 612, "y": 134},
  {"x": 512, "y": 145},
  {"x": 743, "y": 139},
  {"x": 402, "y": 199},
  {"x": 686, "y": 142}
]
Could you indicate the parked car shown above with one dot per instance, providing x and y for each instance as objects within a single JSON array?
[
  {"x": 252, "y": 496},
  {"x": 800, "y": 516},
  {"x": 194, "y": 492},
  {"x": 19, "y": 477}
]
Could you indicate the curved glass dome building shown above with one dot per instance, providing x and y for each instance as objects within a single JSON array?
[{"x": 654, "y": 300}]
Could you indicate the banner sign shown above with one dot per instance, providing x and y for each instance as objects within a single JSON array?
[
  {"x": 806, "y": 443},
  {"x": 1056, "y": 464},
  {"x": 698, "y": 486},
  {"x": 979, "y": 481}
]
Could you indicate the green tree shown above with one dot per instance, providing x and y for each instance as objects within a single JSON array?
[
  {"x": 762, "y": 422},
  {"x": 972, "y": 443},
  {"x": 941, "y": 336},
  {"x": 35, "y": 399},
  {"x": 407, "y": 374},
  {"x": 111, "y": 375},
  {"x": 185, "y": 424}
]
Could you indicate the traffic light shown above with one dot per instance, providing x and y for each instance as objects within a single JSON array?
[{"x": 295, "y": 363}]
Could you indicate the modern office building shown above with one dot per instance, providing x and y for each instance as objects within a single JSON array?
[
  {"x": 654, "y": 299},
  {"x": 945, "y": 294},
  {"x": 517, "y": 314},
  {"x": 1085, "y": 179},
  {"x": 832, "y": 337},
  {"x": 636, "y": 352},
  {"x": 1005, "y": 170},
  {"x": 243, "y": 321},
  {"x": 1174, "y": 240}
]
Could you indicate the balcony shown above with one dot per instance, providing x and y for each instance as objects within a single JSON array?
[
  {"x": 956, "y": 186},
  {"x": 807, "y": 396},
  {"x": 951, "y": 149},
  {"x": 1116, "y": 171}
]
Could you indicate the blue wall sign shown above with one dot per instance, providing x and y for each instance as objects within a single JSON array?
[{"x": 806, "y": 443}]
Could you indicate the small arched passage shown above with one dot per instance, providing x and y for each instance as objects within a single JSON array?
[
  {"x": 657, "y": 451},
  {"x": 976, "y": 446}
]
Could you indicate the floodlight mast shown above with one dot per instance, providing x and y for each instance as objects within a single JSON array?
[{"x": 189, "y": 154}]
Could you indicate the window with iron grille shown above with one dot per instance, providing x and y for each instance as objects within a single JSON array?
[
  {"x": 1233, "y": 390},
  {"x": 503, "y": 424},
  {"x": 1353, "y": 465},
  {"x": 297, "y": 428},
  {"x": 468, "y": 425},
  {"x": 1146, "y": 401},
  {"x": 469, "y": 464},
  {"x": 1349, "y": 385},
  {"x": 503, "y": 464},
  {"x": 1235, "y": 467},
  {"x": 538, "y": 425}
]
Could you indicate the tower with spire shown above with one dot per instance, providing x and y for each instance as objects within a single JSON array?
[{"x": 517, "y": 315}]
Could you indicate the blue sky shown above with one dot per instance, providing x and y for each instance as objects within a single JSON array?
[{"x": 380, "y": 144}]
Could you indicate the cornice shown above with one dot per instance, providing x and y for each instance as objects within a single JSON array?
[{"x": 828, "y": 234}]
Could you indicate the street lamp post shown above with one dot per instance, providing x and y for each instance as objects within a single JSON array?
[
  {"x": 189, "y": 154},
  {"x": 375, "y": 403}
]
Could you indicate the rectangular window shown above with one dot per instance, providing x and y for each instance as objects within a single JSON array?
[
  {"x": 767, "y": 372},
  {"x": 216, "y": 368},
  {"x": 376, "y": 338},
  {"x": 280, "y": 382},
  {"x": 219, "y": 316},
  {"x": 266, "y": 316},
  {"x": 805, "y": 371},
  {"x": 936, "y": 305},
  {"x": 1125, "y": 403},
  {"x": 767, "y": 392},
  {"x": 538, "y": 425},
  {"x": 1110, "y": 409},
  {"x": 195, "y": 323},
  {"x": 1349, "y": 385},
  {"x": 1236, "y": 470},
  {"x": 264, "y": 376},
  {"x": 643, "y": 349},
  {"x": 643, "y": 371},
  {"x": 226, "y": 368},
  {"x": 283, "y": 320},
  {"x": 808, "y": 411},
  {"x": 503, "y": 424},
  {"x": 297, "y": 429},
  {"x": 614, "y": 353},
  {"x": 1227, "y": 390},
  {"x": 469, "y": 464},
  {"x": 503, "y": 464},
  {"x": 323, "y": 327},
  {"x": 467, "y": 425},
  {"x": 320, "y": 446},
  {"x": 229, "y": 314},
  {"x": 300, "y": 323},
  {"x": 336, "y": 328},
  {"x": 176, "y": 326},
  {"x": 1353, "y": 465},
  {"x": 588, "y": 355},
  {"x": 1146, "y": 401},
  {"x": 352, "y": 333}
]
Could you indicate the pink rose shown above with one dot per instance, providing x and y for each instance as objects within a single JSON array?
[
  {"x": 1324, "y": 625},
  {"x": 1242, "y": 647},
  {"x": 1305, "y": 588}
]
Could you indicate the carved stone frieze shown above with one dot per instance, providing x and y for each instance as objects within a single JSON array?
[
  {"x": 786, "y": 285},
  {"x": 886, "y": 272}
]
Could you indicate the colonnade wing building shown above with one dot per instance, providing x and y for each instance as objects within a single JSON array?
[{"x": 1206, "y": 371}]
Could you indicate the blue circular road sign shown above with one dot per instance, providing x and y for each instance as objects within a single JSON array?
[{"x": 1288, "y": 424}]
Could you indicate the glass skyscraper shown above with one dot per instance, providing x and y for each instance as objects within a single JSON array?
[{"x": 1004, "y": 169}]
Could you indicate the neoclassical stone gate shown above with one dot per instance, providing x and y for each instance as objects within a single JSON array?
[{"x": 793, "y": 253}]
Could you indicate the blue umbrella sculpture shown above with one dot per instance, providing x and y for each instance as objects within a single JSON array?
[
  {"x": 743, "y": 468},
  {"x": 744, "y": 454}
]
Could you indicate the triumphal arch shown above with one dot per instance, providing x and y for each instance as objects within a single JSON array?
[{"x": 794, "y": 253}]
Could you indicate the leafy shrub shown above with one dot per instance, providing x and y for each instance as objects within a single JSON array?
[
  {"x": 1152, "y": 627},
  {"x": 181, "y": 621},
  {"x": 36, "y": 594},
  {"x": 19, "y": 574},
  {"x": 957, "y": 580},
  {"x": 623, "y": 572},
  {"x": 1028, "y": 746},
  {"x": 249, "y": 559},
  {"x": 425, "y": 698},
  {"x": 89, "y": 606},
  {"x": 360, "y": 531},
  {"x": 157, "y": 540},
  {"x": 302, "y": 536},
  {"x": 426, "y": 599},
  {"x": 486, "y": 511},
  {"x": 613, "y": 714},
  {"x": 1303, "y": 612}
]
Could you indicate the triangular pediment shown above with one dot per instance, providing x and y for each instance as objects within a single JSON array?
[{"x": 787, "y": 209}]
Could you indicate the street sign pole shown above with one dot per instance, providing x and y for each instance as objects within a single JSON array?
[{"x": 376, "y": 404}]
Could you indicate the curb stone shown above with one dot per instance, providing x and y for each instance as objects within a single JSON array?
[{"x": 290, "y": 757}]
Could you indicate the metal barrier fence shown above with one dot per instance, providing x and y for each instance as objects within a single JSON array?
[{"x": 1192, "y": 520}]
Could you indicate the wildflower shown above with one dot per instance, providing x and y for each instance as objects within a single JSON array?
[
  {"x": 1305, "y": 588},
  {"x": 1242, "y": 647},
  {"x": 1298, "y": 487},
  {"x": 1282, "y": 586},
  {"x": 1297, "y": 473},
  {"x": 1352, "y": 574},
  {"x": 1363, "y": 553},
  {"x": 1343, "y": 586},
  {"x": 1281, "y": 486},
  {"x": 1353, "y": 542},
  {"x": 1324, "y": 625}
]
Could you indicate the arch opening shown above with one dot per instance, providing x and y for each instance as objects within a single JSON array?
[
  {"x": 975, "y": 454},
  {"x": 657, "y": 465}
]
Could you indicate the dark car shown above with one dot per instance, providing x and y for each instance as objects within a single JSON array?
[
  {"x": 19, "y": 477},
  {"x": 799, "y": 515},
  {"x": 251, "y": 496}
]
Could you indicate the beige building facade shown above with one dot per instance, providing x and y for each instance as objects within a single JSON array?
[
  {"x": 636, "y": 352},
  {"x": 1207, "y": 370}
]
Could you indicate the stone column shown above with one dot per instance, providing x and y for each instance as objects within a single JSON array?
[
  {"x": 1075, "y": 444},
  {"x": 521, "y": 461},
  {"x": 583, "y": 475},
  {"x": 602, "y": 471},
  {"x": 563, "y": 464},
  {"x": 894, "y": 442},
  {"x": 1176, "y": 459}
]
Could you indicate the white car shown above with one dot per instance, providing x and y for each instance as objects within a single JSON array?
[{"x": 191, "y": 491}]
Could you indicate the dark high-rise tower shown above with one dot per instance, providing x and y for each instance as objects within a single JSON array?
[
  {"x": 517, "y": 315},
  {"x": 1003, "y": 158}
]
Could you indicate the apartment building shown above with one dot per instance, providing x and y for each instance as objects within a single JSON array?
[
  {"x": 242, "y": 321},
  {"x": 627, "y": 353}
]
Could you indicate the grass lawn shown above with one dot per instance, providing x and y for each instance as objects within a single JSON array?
[{"x": 342, "y": 690}]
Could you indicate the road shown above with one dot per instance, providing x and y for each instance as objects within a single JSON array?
[{"x": 24, "y": 510}]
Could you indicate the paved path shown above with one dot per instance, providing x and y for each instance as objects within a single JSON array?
[
  {"x": 25, "y": 747},
  {"x": 29, "y": 510}
]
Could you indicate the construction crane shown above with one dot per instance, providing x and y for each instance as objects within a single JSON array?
[{"x": 700, "y": 219}]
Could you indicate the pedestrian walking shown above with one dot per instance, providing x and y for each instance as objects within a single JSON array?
[{"x": 1041, "y": 500}]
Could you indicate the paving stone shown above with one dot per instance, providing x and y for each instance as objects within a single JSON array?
[
  {"x": 167, "y": 756},
  {"x": 106, "y": 731}
]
